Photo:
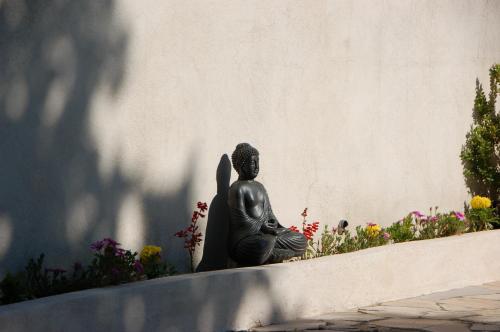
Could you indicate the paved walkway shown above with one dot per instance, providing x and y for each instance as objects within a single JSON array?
[{"x": 474, "y": 308}]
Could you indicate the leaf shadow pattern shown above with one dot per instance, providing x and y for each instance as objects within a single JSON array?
[{"x": 56, "y": 55}]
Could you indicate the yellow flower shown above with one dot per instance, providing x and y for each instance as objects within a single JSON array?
[
  {"x": 479, "y": 202},
  {"x": 373, "y": 229},
  {"x": 149, "y": 251}
]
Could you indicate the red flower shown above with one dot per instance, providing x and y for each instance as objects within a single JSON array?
[
  {"x": 202, "y": 206},
  {"x": 294, "y": 229},
  {"x": 190, "y": 235}
]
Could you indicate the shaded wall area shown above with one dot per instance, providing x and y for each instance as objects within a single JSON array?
[{"x": 54, "y": 56}]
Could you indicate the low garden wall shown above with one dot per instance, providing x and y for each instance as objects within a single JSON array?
[{"x": 238, "y": 299}]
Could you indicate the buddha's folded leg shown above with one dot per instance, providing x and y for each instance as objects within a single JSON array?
[
  {"x": 293, "y": 241},
  {"x": 254, "y": 249}
]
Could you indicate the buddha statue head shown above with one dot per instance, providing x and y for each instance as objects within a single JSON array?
[{"x": 245, "y": 160}]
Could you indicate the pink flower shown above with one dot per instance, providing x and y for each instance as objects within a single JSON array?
[
  {"x": 387, "y": 236},
  {"x": 371, "y": 224},
  {"x": 417, "y": 214},
  {"x": 460, "y": 216}
]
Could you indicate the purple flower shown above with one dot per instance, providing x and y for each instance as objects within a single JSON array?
[
  {"x": 97, "y": 246},
  {"x": 138, "y": 267},
  {"x": 460, "y": 216},
  {"x": 109, "y": 242},
  {"x": 417, "y": 214},
  {"x": 434, "y": 219},
  {"x": 387, "y": 236}
]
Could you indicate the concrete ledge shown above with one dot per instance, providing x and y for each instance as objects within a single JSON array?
[{"x": 241, "y": 298}]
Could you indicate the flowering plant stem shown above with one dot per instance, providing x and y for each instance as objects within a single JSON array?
[{"x": 191, "y": 236}]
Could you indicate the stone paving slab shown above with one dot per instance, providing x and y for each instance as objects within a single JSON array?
[{"x": 474, "y": 308}]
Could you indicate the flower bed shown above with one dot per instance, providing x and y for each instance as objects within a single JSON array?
[
  {"x": 415, "y": 226},
  {"x": 237, "y": 299},
  {"x": 113, "y": 265}
]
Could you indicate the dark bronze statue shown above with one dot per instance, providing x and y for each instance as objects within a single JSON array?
[{"x": 255, "y": 235}]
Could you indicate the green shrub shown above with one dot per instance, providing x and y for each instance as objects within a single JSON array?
[
  {"x": 481, "y": 152},
  {"x": 448, "y": 224},
  {"x": 403, "y": 230},
  {"x": 481, "y": 219}
]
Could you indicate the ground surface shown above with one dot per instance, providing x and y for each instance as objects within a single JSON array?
[{"x": 474, "y": 308}]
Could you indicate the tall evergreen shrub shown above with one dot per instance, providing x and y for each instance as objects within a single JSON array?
[{"x": 481, "y": 152}]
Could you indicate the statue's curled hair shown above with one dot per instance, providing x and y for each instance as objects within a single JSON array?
[{"x": 242, "y": 153}]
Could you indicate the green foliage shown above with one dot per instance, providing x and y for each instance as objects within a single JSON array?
[
  {"x": 348, "y": 244},
  {"x": 481, "y": 219},
  {"x": 331, "y": 242},
  {"x": 34, "y": 282},
  {"x": 111, "y": 265},
  {"x": 481, "y": 152},
  {"x": 447, "y": 225},
  {"x": 157, "y": 268},
  {"x": 12, "y": 288},
  {"x": 367, "y": 239},
  {"x": 403, "y": 230},
  {"x": 108, "y": 268},
  {"x": 328, "y": 244},
  {"x": 414, "y": 226}
]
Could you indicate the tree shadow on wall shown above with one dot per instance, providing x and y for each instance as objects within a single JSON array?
[
  {"x": 215, "y": 246},
  {"x": 55, "y": 56}
]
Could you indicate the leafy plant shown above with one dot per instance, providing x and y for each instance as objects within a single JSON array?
[
  {"x": 481, "y": 219},
  {"x": 480, "y": 216},
  {"x": 34, "y": 282},
  {"x": 348, "y": 243},
  {"x": 153, "y": 264},
  {"x": 370, "y": 236},
  {"x": 328, "y": 243},
  {"x": 113, "y": 265},
  {"x": 191, "y": 236},
  {"x": 450, "y": 224},
  {"x": 13, "y": 288},
  {"x": 404, "y": 229},
  {"x": 481, "y": 152}
]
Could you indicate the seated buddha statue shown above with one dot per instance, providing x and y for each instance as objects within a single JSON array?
[{"x": 255, "y": 235}]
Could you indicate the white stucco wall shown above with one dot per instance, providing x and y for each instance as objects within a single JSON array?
[{"x": 358, "y": 108}]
